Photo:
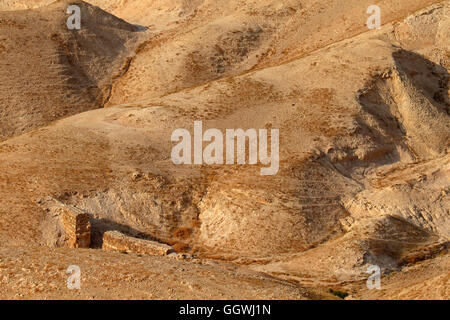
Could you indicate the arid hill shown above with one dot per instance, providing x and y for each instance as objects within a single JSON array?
[
  {"x": 57, "y": 73},
  {"x": 86, "y": 118}
]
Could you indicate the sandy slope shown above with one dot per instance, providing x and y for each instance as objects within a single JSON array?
[
  {"x": 48, "y": 75},
  {"x": 364, "y": 130}
]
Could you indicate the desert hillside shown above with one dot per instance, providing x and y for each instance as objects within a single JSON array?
[{"x": 87, "y": 118}]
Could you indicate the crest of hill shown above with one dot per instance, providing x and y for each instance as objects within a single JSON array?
[{"x": 49, "y": 72}]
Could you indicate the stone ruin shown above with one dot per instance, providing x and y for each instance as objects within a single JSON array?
[
  {"x": 77, "y": 227},
  {"x": 74, "y": 227},
  {"x": 117, "y": 241}
]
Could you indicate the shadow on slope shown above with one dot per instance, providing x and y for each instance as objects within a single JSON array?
[
  {"x": 49, "y": 72},
  {"x": 407, "y": 111}
]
